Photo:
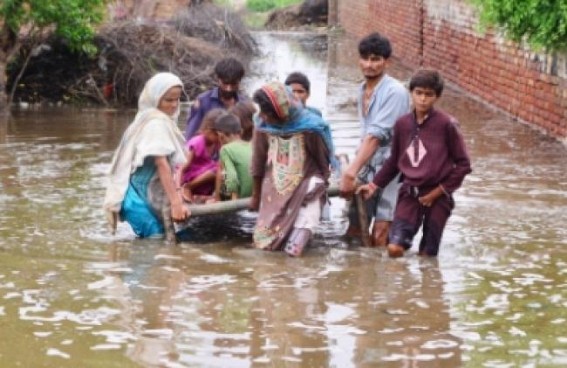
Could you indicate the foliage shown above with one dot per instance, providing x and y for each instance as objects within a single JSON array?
[
  {"x": 224, "y": 3},
  {"x": 255, "y": 20},
  {"x": 542, "y": 23},
  {"x": 265, "y": 5},
  {"x": 73, "y": 20}
]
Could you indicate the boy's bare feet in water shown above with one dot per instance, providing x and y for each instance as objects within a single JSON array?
[{"x": 395, "y": 250}]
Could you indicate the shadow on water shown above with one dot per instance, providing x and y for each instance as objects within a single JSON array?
[{"x": 75, "y": 296}]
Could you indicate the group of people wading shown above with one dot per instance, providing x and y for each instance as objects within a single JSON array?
[{"x": 279, "y": 152}]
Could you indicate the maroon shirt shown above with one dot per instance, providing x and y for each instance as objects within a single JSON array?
[{"x": 430, "y": 154}]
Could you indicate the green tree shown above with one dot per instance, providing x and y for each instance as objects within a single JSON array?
[
  {"x": 74, "y": 20},
  {"x": 542, "y": 23},
  {"x": 266, "y": 5}
]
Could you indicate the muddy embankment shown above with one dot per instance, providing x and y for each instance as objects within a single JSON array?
[
  {"x": 132, "y": 48},
  {"x": 309, "y": 13},
  {"x": 129, "y": 52}
]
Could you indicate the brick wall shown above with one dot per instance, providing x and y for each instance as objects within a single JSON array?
[
  {"x": 527, "y": 85},
  {"x": 400, "y": 20}
]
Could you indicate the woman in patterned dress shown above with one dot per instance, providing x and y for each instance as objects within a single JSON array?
[{"x": 292, "y": 150}]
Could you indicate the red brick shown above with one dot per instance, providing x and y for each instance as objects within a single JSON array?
[{"x": 501, "y": 73}]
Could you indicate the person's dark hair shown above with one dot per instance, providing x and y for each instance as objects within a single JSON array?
[
  {"x": 229, "y": 70},
  {"x": 245, "y": 110},
  {"x": 265, "y": 104},
  {"x": 375, "y": 44},
  {"x": 299, "y": 78},
  {"x": 210, "y": 117},
  {"x": 427, "y": 78},
  {"x": 228, "y": 124}
]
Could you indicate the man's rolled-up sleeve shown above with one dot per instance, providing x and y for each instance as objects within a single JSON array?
[{"x": 384, "y": 116}]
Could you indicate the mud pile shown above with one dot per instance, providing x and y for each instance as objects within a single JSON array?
[
  {"x": 309, "y": 13},
  {"x": 129, "y": 52}
]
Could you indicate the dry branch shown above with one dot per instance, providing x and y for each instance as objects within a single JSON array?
[{"x": 130, "y": 52}]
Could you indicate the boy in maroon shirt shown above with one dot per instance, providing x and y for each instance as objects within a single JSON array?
[{"x": 429, "y": 150}]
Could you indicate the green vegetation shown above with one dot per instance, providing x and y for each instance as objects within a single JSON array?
[
  {"x": 225, "y": 3},
  {"x": 266, "y": 5},
  {"x": 255, "y": 20},
  {"x": 542, "y": 23},
  {"x": 74, "y": 20},
  {"x": 255, "y": 13}
]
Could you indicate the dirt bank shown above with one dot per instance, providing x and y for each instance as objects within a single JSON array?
[
  {"x": 309, "y": 13},
  {"x": 129, "y": 52}
]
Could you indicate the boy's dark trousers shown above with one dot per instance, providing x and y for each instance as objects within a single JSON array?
[{"x": 410, "y": 215}]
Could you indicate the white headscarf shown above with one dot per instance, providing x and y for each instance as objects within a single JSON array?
[{"x": 152, "y": 133}]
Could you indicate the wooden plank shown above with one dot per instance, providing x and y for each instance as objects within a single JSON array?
[
  {"x": 236, "y": 205},
  {"x": 362, "y": 220}
]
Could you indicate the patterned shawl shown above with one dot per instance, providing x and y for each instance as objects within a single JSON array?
[{"x": 297, "y": 118}]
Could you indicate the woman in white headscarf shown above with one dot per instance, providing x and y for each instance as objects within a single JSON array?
[{"x": 141, "y": 175}]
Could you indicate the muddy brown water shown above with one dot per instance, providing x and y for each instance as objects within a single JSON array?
[{"x": 71, "y": 295}]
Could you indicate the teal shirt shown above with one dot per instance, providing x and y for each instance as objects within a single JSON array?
[{"x": 235, "y": 158}]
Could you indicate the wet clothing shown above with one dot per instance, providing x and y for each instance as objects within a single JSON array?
[
  {"x": 138, "y": 208},
  {"x": 411, "y": 215},
  {"x": 235, "y": 158},
  {"x": 293, "y": 161},
  {"x": 134, "y": 192},
  {"x": 389, "y": 101},
  {"x": 287, "y": 164},
  {"x": 204, "y": 103},
  {"x": 428, "y": 155},
  {"x": 202, "y": 162}
]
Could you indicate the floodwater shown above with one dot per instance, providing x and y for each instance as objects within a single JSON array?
[{"x": 71, "y": 295}]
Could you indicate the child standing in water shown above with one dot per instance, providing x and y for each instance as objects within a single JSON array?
[
  {"x": 196, "y": 179},
  {"x": 429, "y": 150},
  {"x": 233, "y": 177}
]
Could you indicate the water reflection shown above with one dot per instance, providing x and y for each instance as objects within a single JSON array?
[
  {"x": 75, "y": 296},
  {"x": 282, "y": 54},
  {"x": 218, "y": 307}
]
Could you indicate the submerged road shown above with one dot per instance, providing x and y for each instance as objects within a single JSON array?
[{"x": 73, "y": 295}]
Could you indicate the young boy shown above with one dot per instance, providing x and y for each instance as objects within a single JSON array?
[
  {"x": 233, "y": 177},
  {"x": 301, "y": 89},
  {"x": 428, "y": 149}
]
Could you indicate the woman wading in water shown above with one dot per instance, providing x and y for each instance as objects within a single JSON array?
[
  {"x": 292, "y": 148},
  {"x": 141, "y": 188}
]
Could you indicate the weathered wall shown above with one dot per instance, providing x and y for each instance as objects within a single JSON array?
[{"x": 442, "y": 34}]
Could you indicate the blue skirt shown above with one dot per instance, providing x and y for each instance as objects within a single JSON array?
[
  {"x": 136, "y": 208},
  {"x": 138, "y": 213}
]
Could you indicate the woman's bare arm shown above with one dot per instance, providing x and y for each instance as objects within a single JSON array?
[{"x": 178, "y": 211}]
